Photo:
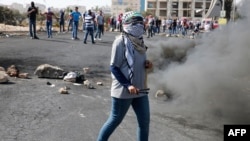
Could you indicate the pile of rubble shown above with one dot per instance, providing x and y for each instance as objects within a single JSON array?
[
  {"x": 12, "y": 71},
  {"x": 49, "y": 72},
  {"x": 54, "y": 72}
]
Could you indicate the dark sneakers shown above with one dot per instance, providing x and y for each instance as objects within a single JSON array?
[
  {"x": 86, "y": 42},
  {"x": 34, "y": 37}
]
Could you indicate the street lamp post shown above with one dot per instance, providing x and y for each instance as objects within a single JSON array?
[{"x": 223, "y": 5}]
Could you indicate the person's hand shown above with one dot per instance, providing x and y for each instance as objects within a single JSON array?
[
  {"x": 148, "y": 64},
  {"x": 133, "y": 90}
]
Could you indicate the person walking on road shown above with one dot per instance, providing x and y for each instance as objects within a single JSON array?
[
  {"x": 150, "y": 26},
  {"x": 70, "y": 21},
  {"x": 32, "y": 12},
  {"x": 61, "y": 21},
  {"x": 128, "y": 70},
  {"x": 49, "y": 14},
  {"x": 76, "y": 16},
  {"x": 89, "y": 26},
  {"x": 100, "y": 25}
]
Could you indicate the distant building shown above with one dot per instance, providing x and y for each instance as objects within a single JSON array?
[
  {"x": 193, "y": 9},
  {"x": 142, "y": 5},
  {"x": 106, "y": 10},
  {"x": 120, "y": 6}
]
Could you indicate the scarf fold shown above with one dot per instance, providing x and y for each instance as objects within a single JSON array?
[{"x": 133, "y": 40}]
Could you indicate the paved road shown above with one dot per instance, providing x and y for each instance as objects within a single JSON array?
[{"x": 30, "y": 110}]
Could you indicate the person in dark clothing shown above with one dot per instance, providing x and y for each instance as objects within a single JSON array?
[
  {"x": 61, "y": 21},
  {"x": 174, "y": 26},
  {"x": 158, "y": 25},
  {"x": 32, "y": 12}
]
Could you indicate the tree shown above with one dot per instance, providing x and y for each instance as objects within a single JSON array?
[
  {"x": 10, "y": 17},
  {"x": 19, "y": 17}
]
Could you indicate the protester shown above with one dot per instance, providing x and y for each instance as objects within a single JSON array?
[
  {"x": 49, "y": 14},
  {"x": 150, "y": 26},
  {"x": 32, "y": 12},
  {"x": 112, "y": 23},
  {"x": 184, "y": 25},
  {"x": 128, "y": 66},
  {"x": 170, "y": 26},
  {"x": 61, "y": 21},
  {"x": 174, "y": 27},
  {"x": 119, "y": 20},
  {"x": 70, "y": 21},
  {"x": 89, "y": 26},
  {"x": 75, "y": 15},
  {"x": 100, "y": 25},
  {"x": 158, "y": 25},
  {"x": 164, "y": 24}
]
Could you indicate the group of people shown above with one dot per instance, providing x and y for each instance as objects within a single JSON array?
[
  {"x": 171, "y": 26},
  {"x": 33, "y": 11},
  {"x": 154, "y": 25},
  {"x": 91, "y": 22}
]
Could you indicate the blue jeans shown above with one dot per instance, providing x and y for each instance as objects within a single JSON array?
[
  {"x": 49, "y": 28},
  {"x": 174, "y": 30},
  {"x": 150, "y": 31},
  {"x": 62, "y": 25},
  {"x": 184, "y": 31},
  {"x": 99, "y": 31},
  {"x": 75, "y": 29},
  {"x": 70, "y": 25},
  {"x": 118, "y": 112},
  {"x": 32, "y": 28},
  {"x": 170, "y": 31},
  {"x": 89, "y": 30}
]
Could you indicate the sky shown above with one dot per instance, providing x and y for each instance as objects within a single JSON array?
[
  {"x": 65, "y": 3},
  {"x": 62, "y": 3}
]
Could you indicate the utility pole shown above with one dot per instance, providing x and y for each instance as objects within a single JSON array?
[
  {"x": 156, "y": 8},
  {"x": 234, "y": 3},
  {"x": 223, "y": 5},
  {"x": 169, "y": 5}
]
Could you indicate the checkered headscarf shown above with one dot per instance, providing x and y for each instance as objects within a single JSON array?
[
  {"x": 133, "y": 40},
  {"x": 131, "y": 16}
]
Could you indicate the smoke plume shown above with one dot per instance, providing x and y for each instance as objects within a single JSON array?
[{"x": 207, "y": 77}]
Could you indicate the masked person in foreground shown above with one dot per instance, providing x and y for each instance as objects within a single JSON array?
[{"x": 128, "y": 71}]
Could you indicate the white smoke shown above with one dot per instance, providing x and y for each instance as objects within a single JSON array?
[{"x": 213, "y": 79}]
